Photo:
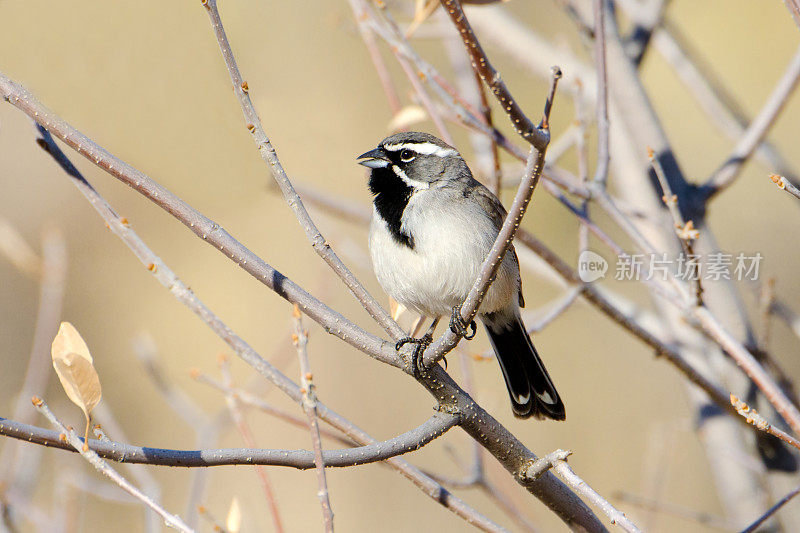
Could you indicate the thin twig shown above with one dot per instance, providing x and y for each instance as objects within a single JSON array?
[
  {"x": 671, "y": 509},
  {"x": 753, "y": 417},
  {"x": 794, "y": 8},
  {"x": 684, "y": 230},
  {"x": 495, "y": 177},
  {"x": 713, "y": 97},
  {"x": 249, "y": 440},
  {"x": 521, "y": 123},
  {"x": 617, "y": 517},
  {"x": 745, "y": 360},
  {"x": 208, "y": 230},
  {"x": 603, "y": 157},
  {"x": 251, "y": 400},
  {"x": 771, "y": 511},
  {"x": 785, "y": 184},
  {"x": 368, "y": 36},
  {"x": 270, "y": 156},
  {"x": 557, "y": 461},
  {"x": 427, "y": 103},
  {"x": 70, "y": 439},
  {"x": 141, "y": 475},
  {"x": 726, "y": 174},
  {"x": 52, "y": 269},
  {"x": 300, "y": 339}
]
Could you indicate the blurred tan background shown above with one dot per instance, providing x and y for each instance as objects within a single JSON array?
[{"x": 146, "y": 81}]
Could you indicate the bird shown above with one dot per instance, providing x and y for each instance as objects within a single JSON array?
[{"x": 432, "y": 227}]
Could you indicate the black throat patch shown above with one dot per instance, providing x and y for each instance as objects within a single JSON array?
[{"x": 391, "y": 198}]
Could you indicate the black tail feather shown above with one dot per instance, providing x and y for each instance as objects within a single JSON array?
[{"x": 529, "y": 385}]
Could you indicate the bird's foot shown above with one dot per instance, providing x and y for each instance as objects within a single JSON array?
[
  {"x": 459, "y": 327},
  {"x": 416, "y": 357}
]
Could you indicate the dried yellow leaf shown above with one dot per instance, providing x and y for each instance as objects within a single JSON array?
[
  {"x": 80, "y": 381},
  {"x": 68, "y": 340},
  {"x": 73, "y": 364}
]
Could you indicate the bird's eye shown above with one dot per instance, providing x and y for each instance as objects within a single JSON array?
[{"x": 406, "y": 156}]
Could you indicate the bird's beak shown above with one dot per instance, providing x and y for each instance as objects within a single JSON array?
[{"x": 374, "y": 158}]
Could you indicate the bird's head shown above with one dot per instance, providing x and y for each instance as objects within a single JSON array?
[{"x": 419, "y": 160}]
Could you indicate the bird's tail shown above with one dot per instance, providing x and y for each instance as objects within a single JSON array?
[{"x": 532, "y": 392}]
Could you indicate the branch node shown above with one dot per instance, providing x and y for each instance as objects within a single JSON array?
[{"x": 537, "y": 468}]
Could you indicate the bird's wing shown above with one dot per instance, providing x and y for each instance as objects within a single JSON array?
[{"x": 497, "y": 213}]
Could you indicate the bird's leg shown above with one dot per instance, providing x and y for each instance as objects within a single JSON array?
[
  {"x": 422, "y": 343},
  {"x": 459, "y": 327}
]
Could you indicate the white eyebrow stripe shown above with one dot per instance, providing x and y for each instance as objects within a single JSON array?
[
  {"x": 422, "y": 149},
  {"x": 414, "y": 184}
]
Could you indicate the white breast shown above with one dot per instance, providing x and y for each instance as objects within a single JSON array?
[{"x": 452, "y": 237}]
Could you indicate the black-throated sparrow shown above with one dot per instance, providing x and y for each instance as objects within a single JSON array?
[{"x": 432, "y": 227}]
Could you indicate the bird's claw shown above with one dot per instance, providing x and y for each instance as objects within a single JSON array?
[
  {"x": 459, "y": 327},
  {"x": 416, "y": 357}
]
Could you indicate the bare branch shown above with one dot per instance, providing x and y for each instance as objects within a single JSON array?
[
  {"x": 73, "y": 442},
  {"x": 249, "y": 441},
  {"x": 251, "y": 400},
  {"x": 794, "y": 8},
  {"x": 16, "y": 468},
  {"x": 270, "y": 156},
  {"x": 786, "y": 185},
  {"x": 521, "y": 123},
  {"x": 771, "y": 511},
  {"x": 557, "y": 461},
  {"x": 753, "y": 417},
  {"x": 603, "y": 157},
  {"x": 711, "y": 95},
  {"x": 725, "y": 175},
  {"x": 203, "y": 227},
  {"x": 751, "y": 367},
  {"x": 310, "y": 407},
  {"x": 680, "y": 511},
  {"x": 412, "y": 440}
]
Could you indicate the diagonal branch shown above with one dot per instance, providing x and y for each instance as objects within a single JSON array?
[
  {"x": 557, "y": 461},
  {"x": 73, "y": 443},
  {"x": 269, "y": 155},
  {"x": 727, "y": 173},
  {"x": 536, "y": 136},
  {"x": 713, "y": 97},
  {"x": 794, "y": 8},
  {"x": 200, "y": 225}
]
